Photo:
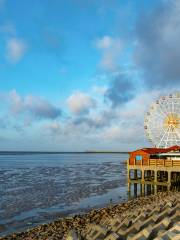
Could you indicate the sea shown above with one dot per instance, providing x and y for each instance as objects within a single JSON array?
[{"x": 37, "y": 188}]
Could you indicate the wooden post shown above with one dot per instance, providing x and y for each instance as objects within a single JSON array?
[
  {"x": 155, "y": 176},
  {"x": 142, "y": 186},
  {"x": 155, "y": 189},
  {"x": 142, "y": 175},
  {"x": 169, "y": 180}
]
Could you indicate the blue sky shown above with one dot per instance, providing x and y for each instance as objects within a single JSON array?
[{"x": 79, "y": 75}]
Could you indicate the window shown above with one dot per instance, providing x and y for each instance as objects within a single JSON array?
[{"x": 138, "y": 158}]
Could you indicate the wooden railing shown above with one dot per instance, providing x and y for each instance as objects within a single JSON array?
[
  {"x": 164, "y": 163},
  {"x": 156, "y": 162}
]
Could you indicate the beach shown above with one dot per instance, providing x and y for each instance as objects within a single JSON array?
[
  {"x": 48, "y": 196},
  {"x": 60, "y": 229}
]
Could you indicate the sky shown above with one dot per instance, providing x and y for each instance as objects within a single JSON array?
[{"x": 79, "y": 75}]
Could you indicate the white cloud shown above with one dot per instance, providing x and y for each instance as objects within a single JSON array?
[
  {"x": 113, "y": 133},
  {"x": 33, "y": 105},
  {"x": 15, "y": 49},
  {"x": 99, "y": 89},
  {"x": 111, "y": 49},
  {"x": 16, "y": 102},
  {"x": 53, "y": 127},
  {"x": 105, "y": 42},
  {"x": 118, "y": 128},
  {"x": 40, "y": 107},
  {"x": 80, "y": 103}
]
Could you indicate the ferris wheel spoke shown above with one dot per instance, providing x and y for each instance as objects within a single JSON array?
[
  {"x": 175, "y": 138},
  {"x": 165, "y": 108},
  {"x": 167, "y": 137},
  {"x": 163, "y": 136},
  {"x": 155, "y": 127},
  {"x": 169, "y": 106},
  {"x": 177, "y": 134},
  {"x": 159, "y": 115},
  {"x": 156, "y": 115},
  {"x": 163, "y": 112},
  {"x": 170, "y": 138}
]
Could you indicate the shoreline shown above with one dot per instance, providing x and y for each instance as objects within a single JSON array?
[{"x": 60, "y": 228}]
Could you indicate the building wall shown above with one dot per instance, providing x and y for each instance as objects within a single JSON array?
[{"x": 136, "y": 154}]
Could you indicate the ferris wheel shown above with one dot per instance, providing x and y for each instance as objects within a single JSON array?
[{"x": 162, "y": 121}]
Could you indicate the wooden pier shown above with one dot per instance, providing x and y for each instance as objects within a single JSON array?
[{"x": 154, "y": 167}]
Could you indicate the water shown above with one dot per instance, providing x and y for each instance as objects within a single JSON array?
[{"x": 38, "y": 188}]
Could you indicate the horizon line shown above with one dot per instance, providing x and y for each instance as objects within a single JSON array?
[{"x": 57, "y": 152}]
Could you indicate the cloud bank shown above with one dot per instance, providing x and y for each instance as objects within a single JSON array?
[{"x": 157, "y": 51}]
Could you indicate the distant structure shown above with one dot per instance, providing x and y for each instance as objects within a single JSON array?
[{"x": 158, "y": 167}]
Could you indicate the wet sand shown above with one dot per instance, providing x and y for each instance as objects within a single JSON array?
[
  {"x": 59, "y": 228},
  {"x": 37, "y": 189}
]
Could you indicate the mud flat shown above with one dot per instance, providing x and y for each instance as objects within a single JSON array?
[
  {"x": 38, "y": 189},
  {"x": 83, "y": 224}
]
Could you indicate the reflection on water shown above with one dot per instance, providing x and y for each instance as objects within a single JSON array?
[
  {"x": 138, "y": 189},
  {"x": 40, "y": 188}
]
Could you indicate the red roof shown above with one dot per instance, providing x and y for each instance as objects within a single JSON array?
[
  {"x": 159, "y": 150},
  {"x": 174, "y": 148}
]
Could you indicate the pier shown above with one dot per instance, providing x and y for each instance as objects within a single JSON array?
[{"x": 153, "y": 169}]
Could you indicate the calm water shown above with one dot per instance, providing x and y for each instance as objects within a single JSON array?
[{"x": 38, "y": 188}]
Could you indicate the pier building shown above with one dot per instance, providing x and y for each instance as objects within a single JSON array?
[{"x": 154, "y": 167}]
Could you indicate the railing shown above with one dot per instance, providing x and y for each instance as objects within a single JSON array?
[
  {"x": 164, "y": 162},
  {"x": 158, "y": 163}
]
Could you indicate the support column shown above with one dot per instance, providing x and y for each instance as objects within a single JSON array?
[
  {"x": 142, "y": 189},
  {"x": 169, "y": 177},
  {"x": 155, "y": 176},
  {"x": 155, "y": 181},
  {"x": 129, "y": 187},
  {"x": 152, "y": 174},
  {"x": 129, "y": 174},
  {"x": 142, "y": 175},
  {"x": 135, "y": 189},
  {"x": 129, "y": 191},
  {"x": 149, "y": 189},
  {"x": 155, "y": 189},
  {"x": 169, "y": 180}
]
